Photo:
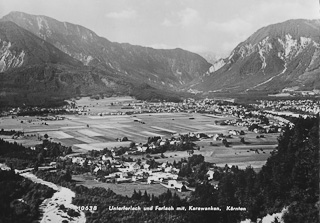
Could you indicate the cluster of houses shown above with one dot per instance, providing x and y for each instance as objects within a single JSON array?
[
  {"x": 138, "y": 107},
  {"x": 126, "y": 172},
  {"x": 304, "y": 106},
  {"x": 245, "y": 117},
  {"x": 156, "y": 141},
  {"x": 221, "y": 136},
  {"x": 35, "y": 109}
]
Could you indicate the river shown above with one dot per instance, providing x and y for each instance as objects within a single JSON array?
[{"x": 51, "y": 206}]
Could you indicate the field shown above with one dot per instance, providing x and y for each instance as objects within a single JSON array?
[{"x": 95, "y": 132}]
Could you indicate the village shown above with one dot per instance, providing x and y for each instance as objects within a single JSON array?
[
  {"x": 304, "y": 107},
  {"x": 111, "y": 168}
]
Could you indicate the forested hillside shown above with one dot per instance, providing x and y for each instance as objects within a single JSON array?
[{"x": 20, "y": 198}]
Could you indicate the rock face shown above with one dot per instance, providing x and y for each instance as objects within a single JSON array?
[
  {"x": 277, "y": 57},
  {"x": 172, "y": 68},
  {"x": 19, "y": 47}
]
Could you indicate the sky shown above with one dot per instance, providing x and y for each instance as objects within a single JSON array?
[{"x": 215, "y": 26}]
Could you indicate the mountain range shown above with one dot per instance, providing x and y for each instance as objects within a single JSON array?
[
  {"x": 279, "y": 57},
  {"x": 42, "y": 59},
  {"x": 155, "y": 66}
]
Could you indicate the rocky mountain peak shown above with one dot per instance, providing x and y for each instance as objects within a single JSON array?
[{"x": 286, "y": 53}]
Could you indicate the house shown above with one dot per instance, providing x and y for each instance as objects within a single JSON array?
[
  {"x": 78, "y": 160},
  {"x": 142, "y": 148},
  {"x": 214, "y": 183},
  {"x": 168, "y": 169},
  {"x": 146, "y": 166},
  {"x": 234, "y": 132},
  {"x": 150, "y": 180},
  {"x": 259, "y": 130},
  {"x": 175, "y": 170},
  {"x": 4, "y": 167},
  {"x": 105, "y": 158},
  {"x": 152, "y": 146},
  {"x": 163, "y": 165},
  {"x": 175, "y": 142},
  {"x": 96, "y": 169},
  {"x": 124, "y": 170},
  {"x": 134, "y": 166},
  {"x": 123, "y": 175},
  {"x": 137, "y": 178},
  {"x": 53, "y": 164},
  {"x": 201, "y": 135},
  {"x": 191, "y": 135},
  {"x": 154, "y": 178},
  {"x": 210, "y": 174},
  {"x": 123, "y": 180},
  {"x": 217, "y": 137},
  {"x": 177, "y": 185}
]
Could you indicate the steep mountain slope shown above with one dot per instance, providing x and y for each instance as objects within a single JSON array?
[
  {"x": 159, "y": 67},
  {"x": 49, "y": 83},
  {"x": 275, "y": 58},
  {"x": 19, "y": 47},
  {"x": 34, "y": 71}
]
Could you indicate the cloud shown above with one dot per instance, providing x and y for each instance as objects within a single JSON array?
[
  {"x": 184, "y": 18},
  {"x": 236, "y": 25},
  {"x": 231, "y": 33},
  {"x": 188, "y": 17},
  {"x": 125, "y": 14}
]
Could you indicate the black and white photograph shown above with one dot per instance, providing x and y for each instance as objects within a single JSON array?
[{"x": 159, "y": 111}]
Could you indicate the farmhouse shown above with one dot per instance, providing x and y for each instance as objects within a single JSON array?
[
  {"x": 201, "y": 135},
  {"x": 142, "y": 148},
  {"x": 137, "y": 178},
  {"x": 134, "y": 166},
  {"x": 210, "y": 174},
  {"x": 217, "y": 137},
  {"x": 78, "y": 160},
  {"x": 234, "y": 132},
  {"x": 160, "y": 176},
  {"x": 105, "y": 158},
  {"x": 154, "y": 178},
  {"x": 146, "y": 166},
  {"x": 123, "y": 180},
  {"x": 177, "y": 185},
  {"x": 259, "y": 130}
]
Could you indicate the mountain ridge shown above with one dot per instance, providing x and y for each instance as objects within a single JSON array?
[
  {"x": 164, "y": 67},
  {"x": 274, "y": 58},
  {"x": 19, "y": 45}
]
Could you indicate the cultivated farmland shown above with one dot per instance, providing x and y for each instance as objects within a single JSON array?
[{"x": 94, "y": 131}]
